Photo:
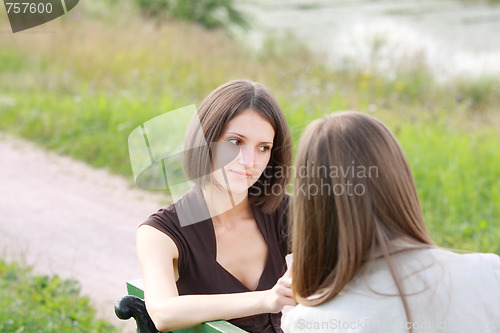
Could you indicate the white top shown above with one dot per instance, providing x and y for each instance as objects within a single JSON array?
[{"x": 446, "y": 292}]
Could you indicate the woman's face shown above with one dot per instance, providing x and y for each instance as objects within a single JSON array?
[{"x": 242, "y": 151}]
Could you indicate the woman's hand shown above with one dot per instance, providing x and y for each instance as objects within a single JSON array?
[{"x": 281, "y": 294}]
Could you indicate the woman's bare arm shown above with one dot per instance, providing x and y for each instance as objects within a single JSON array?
[{"x": 158, "y": 255}]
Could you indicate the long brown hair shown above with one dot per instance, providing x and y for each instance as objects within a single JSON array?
[
  {"x": 354, "y": 193},
  {"x": 216, "y": 110}
]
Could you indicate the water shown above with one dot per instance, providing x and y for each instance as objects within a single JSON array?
[{"x": 453, "y": 38}]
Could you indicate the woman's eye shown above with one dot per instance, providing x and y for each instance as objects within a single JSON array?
[
  {"x": 264, "y": 148},
  {"x": 235, "y": 141}
]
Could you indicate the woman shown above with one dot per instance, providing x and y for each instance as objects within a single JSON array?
[
  {"x": 219, "y": 251},
  {"x": 363, "y": 258}
]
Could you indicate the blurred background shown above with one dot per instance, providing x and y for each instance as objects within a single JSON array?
[{"x": 72, "y": 90}]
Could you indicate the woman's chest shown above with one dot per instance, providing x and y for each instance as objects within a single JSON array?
[{"x": 242, "y": 251}]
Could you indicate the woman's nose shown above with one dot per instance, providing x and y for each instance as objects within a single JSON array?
[{"x": 246, "y": 157}]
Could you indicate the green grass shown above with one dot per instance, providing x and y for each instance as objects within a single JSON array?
[
  {"x": 82, "y": 90},
  {"x": 42, "y": 304},
  {"x": 457, "y": 175}
]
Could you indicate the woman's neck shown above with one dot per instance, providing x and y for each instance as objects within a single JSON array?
[{"x": 225, "y": 206}]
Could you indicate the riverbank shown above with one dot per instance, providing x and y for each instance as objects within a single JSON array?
[{"x": 453, "y": 38}]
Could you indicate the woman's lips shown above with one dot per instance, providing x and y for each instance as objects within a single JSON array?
[{"x": 240, "y": 174}]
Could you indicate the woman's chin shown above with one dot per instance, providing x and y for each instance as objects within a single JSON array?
[
  {"x": 238, "y": 190},
  {"x": 238, "y": 186}
]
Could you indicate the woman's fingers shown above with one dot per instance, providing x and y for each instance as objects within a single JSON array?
[
  {"x": 284, "y": 289},
  {"x": 281, "y": 294}
]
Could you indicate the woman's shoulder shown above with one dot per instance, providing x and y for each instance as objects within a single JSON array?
[
  {"x": 187, "y": 210},
  {"x": 191, "y": 208},
  {"x": 461, "y": 258},
  {"x": 471, "y": 263},
  {"x": 164, "y": 219},
  {"x": 460, "y": 261},
  {"x": 477, "y": 271}
]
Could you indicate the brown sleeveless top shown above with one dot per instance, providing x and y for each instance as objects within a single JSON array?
[{"x": 199, "y": 271}]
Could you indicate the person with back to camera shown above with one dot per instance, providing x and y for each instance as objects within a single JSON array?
[
  {"x": 363, "y": 258},
  {"x": 219, "y": 251}
]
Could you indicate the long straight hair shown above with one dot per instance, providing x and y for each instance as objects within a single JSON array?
[{"x": 354, "y": 193}]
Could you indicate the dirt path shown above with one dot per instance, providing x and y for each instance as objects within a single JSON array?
[{"x": 65, "y": 218}]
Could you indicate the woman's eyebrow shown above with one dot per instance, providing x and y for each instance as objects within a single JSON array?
[
  {"x": 235, "y": 133},
  {"x": 244, "y": 137}
]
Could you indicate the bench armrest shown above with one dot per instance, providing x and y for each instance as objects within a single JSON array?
[{"x": 132, "y": 306}]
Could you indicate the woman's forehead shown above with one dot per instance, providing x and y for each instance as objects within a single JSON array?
[{"x": 251, "y": 125}]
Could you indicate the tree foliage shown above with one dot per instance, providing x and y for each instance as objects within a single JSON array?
[{"x": 209, "y": 13}]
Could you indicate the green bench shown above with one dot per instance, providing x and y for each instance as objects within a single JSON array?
[{"x": 133, "y": 306}]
